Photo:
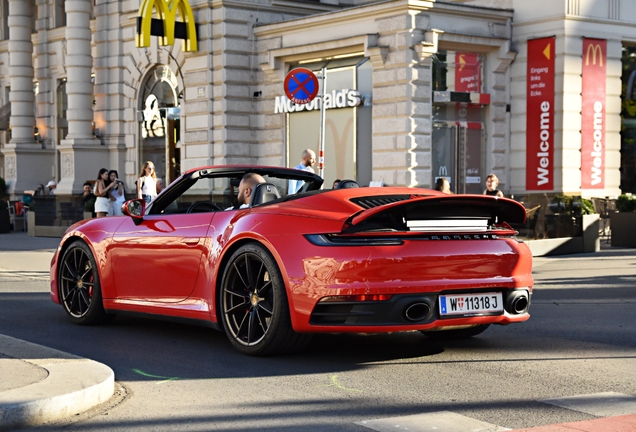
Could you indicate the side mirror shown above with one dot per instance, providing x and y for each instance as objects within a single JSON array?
[{"x": 135, "y": 208}]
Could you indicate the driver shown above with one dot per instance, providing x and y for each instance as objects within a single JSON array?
[{"x": 245, "y": 188}]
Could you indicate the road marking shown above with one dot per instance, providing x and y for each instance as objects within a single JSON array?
[
  {"x": 336, "y": 384},
  {"x": 20, "y": 274},
  {"x": 441, "y": 421},
  {"x": 165, "y": 379},
  {"x": 607, "y": 404}
]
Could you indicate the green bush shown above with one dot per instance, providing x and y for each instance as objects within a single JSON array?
[{"x": 626, "y": 203}]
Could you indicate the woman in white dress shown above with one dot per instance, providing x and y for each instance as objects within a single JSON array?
[
  {"x": 147, "y": 182},
  {"x": 117, "y": 197},
  {"x": 103, "y": 185}
]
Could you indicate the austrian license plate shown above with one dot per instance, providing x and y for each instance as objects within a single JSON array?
[{"x": 470, "y": 304}]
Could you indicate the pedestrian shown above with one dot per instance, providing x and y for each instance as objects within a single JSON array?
[
  {"x": 88, "y": 198},
  {"x": 336, "y": 182},
  {"x": 117, "y": 195},
  {"x": 51, "y": 185},
  {"x": 103, "y": 185},
  {"x": 491, "y": 186},
  {"x": 443, "y": 185},
  {"x": 308, "y": 161},
  {"x": 147, "y": 182},
  {"x": 159, "y": 185}
]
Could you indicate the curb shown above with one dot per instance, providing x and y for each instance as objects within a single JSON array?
[{"x": 73, "y": 385}]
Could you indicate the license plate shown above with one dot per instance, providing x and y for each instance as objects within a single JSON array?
[{"x": 470, "y": 304}]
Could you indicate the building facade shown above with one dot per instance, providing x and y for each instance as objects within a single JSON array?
[{"x": 415, "y": 90}]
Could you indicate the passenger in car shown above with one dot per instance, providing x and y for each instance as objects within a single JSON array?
[{"x": 245, "y": 188}]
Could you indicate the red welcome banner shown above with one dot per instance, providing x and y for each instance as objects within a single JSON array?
[
  {"x": 593, "y": 114},
  {"x": 540, "y": 115},
  {"x": 467, "y": 72}
]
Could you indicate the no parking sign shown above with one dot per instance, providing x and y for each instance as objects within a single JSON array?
[{"x": 301, "y": 85}]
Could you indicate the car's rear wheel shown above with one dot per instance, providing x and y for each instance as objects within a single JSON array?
[
  {"x": 456, "y": 334},
  {"x": 254, "y": 306},
  {"x": 79, "y": 286}
]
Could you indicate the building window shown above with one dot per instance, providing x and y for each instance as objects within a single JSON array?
[
  {"x": 62, "y": 106},
  {"x": 347, "y": 152},
  {"x": 4, "y": 19},
  {"x": 628, "y": 121},
  {"x": 458, "y": 71},
  {"x": 60, "y": 13}
]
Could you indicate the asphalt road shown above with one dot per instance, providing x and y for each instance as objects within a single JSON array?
[{"x": 580, "y": 339}]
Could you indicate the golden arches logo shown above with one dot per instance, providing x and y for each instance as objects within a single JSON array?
[
  {"x": 594, "y": 49},
  {"x": 167, "y": 24}
]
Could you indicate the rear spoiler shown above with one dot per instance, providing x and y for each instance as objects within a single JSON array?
[{"x": 438, "y": 213}]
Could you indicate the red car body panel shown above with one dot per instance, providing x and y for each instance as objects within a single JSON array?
[{"x": 172, "y": 265}]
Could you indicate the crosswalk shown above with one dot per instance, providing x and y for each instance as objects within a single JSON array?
[
  {"x": 612, "y": 409},
  {"x": 21, "y": 274}
]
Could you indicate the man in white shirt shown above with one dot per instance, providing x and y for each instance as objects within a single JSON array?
[{"x": 308, "y": 160}]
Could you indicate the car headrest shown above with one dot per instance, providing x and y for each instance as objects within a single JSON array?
[
  {"x": 347, "y": 184},
  {"x": 262, "y": 193}
]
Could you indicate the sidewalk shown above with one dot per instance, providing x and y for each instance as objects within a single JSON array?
[{"x": 40, "y": 384}]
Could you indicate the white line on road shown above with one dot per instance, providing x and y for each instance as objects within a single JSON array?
[
  {"x": 607, "y": 404},
  {"x": 442, "y": 421}
]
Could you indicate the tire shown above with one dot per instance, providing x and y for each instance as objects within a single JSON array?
[
  {"x": 464, "y": 333},
  {"x": 254, "y": 307},
  {"x": 79, "y": 286}
]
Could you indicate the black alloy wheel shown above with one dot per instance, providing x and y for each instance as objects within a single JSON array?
[
  {"x": 79, "y": 287},
  {"x": 254, "y": 306},
  {"x": 464, "y": 333}
]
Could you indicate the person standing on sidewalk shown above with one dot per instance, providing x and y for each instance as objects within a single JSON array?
[
  {"x": 116, "y": 197},
  {"x": 308, "y": 161},
  {"x": 147, "y": 182},
  {"x": 103, "y": 186}
]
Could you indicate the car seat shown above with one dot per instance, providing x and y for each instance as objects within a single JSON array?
[{"x": 262, "y": 193}]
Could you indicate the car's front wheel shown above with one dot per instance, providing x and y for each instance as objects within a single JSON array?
[
  {"x": 463, "y": 333},
  {"x": 79, "y": 288},
  {"x": 254, "y": 306}
]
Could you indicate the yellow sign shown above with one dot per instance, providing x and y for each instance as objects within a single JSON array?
[
  {"x": 165, "y": 26},
  {"x": 546, "y": 52},
  {"x": 594, "y": 48}
]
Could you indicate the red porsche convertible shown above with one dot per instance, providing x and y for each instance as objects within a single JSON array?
[{"x": 283, "y": 266}]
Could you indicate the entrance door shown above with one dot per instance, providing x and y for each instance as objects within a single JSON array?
[{"x": 457, "y": 155}]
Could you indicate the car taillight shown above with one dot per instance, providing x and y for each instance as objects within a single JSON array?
[{"x": 356, "y": 298}]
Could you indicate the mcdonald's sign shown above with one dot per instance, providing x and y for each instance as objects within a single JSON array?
[
  {"x": 166, "y": 27},
  {"x": 593, "y": 113},
  {"x": 594, "y": 49}
]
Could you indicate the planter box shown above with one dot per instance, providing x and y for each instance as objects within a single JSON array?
[{"x": 623, "y": 226}]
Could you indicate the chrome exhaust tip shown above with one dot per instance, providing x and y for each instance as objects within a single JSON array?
[{"x": 417, "y": 311}]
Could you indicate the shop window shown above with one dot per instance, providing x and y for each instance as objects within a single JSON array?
[
  {"x": 347, "y": 121},
  {"x": 458, "y": 71},
  {"x": 628, "y": 120}
]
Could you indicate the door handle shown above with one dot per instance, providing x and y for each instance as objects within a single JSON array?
[{"x": 191, "y": 241}]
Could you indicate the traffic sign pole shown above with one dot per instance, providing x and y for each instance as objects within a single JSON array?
[{"x": 321, "y": 156}]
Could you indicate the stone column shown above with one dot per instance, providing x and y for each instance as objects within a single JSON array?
[
  {"x": 26, "y": 162},
  {"x": 110, "y": 97},
  {"x": 81, "y": 154}
]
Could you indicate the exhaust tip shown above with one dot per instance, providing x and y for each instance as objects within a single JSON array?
[
  {"x": 520, "y": 304},
  {"x": 417, "y": 311}
]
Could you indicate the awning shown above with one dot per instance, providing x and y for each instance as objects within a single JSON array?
[{"x": 5, "y": 113}]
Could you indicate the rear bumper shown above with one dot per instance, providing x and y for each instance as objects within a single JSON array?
[{"x": 408, "y": 312}]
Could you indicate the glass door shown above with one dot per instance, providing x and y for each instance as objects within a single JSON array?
[{"x": 457, "y": 155}]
